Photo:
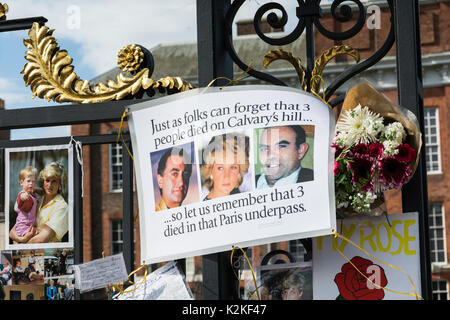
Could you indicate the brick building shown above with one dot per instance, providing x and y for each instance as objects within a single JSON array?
[{"x": 102, "y": 164}]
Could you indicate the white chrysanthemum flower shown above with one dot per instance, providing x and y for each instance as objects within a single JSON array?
[{"x": 359, "y": 125}]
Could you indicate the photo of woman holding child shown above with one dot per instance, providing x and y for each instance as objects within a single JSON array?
[{"x": 39, "y": 211}]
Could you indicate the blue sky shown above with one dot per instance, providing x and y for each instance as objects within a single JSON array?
[
  {"x": 12, "y": 87},
  {"x": 93, "y": 32}
]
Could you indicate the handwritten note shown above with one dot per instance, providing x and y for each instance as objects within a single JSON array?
[
  {"x": 165, "y": 283},
  {"x": 100, "y": 273}
]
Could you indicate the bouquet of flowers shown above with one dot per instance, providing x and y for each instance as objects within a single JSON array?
[{"x": 372, "y": 152}]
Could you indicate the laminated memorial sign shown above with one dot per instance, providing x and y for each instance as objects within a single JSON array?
[
  {"x": 382, "y": 261},
  {"x": 234, "y": 166}
]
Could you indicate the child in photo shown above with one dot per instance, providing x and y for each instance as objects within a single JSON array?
[{"x": 26, "y": 202}]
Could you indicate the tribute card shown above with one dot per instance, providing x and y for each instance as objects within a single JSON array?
[{"x": 234, "y": 166}]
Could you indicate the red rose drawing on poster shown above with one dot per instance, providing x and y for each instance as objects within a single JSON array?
[{"x": 353, "y": 286}]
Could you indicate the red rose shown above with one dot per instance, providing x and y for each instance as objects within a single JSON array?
[
  {"x": 405, "y": 153},
  {"x": 353, "y": 286}
]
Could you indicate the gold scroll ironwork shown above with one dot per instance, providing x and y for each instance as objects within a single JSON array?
[{"x": 50, "y": 74}]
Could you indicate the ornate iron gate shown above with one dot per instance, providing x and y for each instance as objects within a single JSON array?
[{"x": 217, "y": 54}]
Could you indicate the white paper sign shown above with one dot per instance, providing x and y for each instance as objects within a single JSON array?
[
  {"x": 165, "y": 283},
  {"x": 394, "y": 241},
  {"x": 235, "y": 166},
  {"x": 100, "y": 273}
]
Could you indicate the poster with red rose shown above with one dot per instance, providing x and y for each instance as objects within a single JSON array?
[
  {"x": 360, "y": 279},
  {"x": 390, "y": 241}
]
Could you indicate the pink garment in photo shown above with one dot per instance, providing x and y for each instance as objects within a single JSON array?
[{"x": 26, "y": 214}]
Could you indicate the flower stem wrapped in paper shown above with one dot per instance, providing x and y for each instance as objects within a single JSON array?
[{"x": 377, "y": 147}]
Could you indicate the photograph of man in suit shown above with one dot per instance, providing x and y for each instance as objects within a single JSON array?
[
  {"x": 173, "y": 173},
  {"x": 281, "y": 150}
]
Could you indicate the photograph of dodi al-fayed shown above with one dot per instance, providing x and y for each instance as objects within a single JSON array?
[{"x": 283, "y": 155}]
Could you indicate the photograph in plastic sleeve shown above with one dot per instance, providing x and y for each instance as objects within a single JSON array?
[
  {"x": 28, "y": 267},
  {"x": 285, "y": 281},
  {"x": 58, "y": 263},
  {"x": 38, "y": 197},
  {"x": 59, "y": 288},
  {"x": 5, "y": 268}
]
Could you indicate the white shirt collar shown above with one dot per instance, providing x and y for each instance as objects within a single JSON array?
[{"x": 290, "y": 179}]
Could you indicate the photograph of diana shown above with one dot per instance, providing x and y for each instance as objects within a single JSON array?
[
  {"x": 224, "y": 165},
  {"x": 286, "y": 281},
  {"x": 38, "y": 197}
]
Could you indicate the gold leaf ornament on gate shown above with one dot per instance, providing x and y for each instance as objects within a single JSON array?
[
  {"x": 50, "y": 73},
  {"x": 3, "y": 11}
]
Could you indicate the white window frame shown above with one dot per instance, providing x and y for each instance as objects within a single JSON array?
[
  {"x": 110, "y": 155},
  {"x": 302, "y": 251},
  {"x": 112, "y": 231},
  {"x": 439, "y": 291},
  {"x": 437, "y": 144},
  {"x": 444, "y": 240}
]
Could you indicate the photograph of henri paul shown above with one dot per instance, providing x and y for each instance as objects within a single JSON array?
[
  {"x": 174, "y": 177},
  {"x": 37, "y": 198},
  {"x": 224, "y": 165},
  {"x": 284, "y": 155}
]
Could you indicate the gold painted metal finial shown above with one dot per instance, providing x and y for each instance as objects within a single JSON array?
[
  {"x": 50, "y": 73},
  {"x": 3, "y": 11}
]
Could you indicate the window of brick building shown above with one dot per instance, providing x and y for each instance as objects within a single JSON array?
[
  {"x": 437, "y": 232},
  {"x": 440, "y": 290},
  {"x": 115, "y": 166},
  {"x": 432, "y": 140},
  {"x": 116, "y": 236},
  {"x": 297, "y": 250}
]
